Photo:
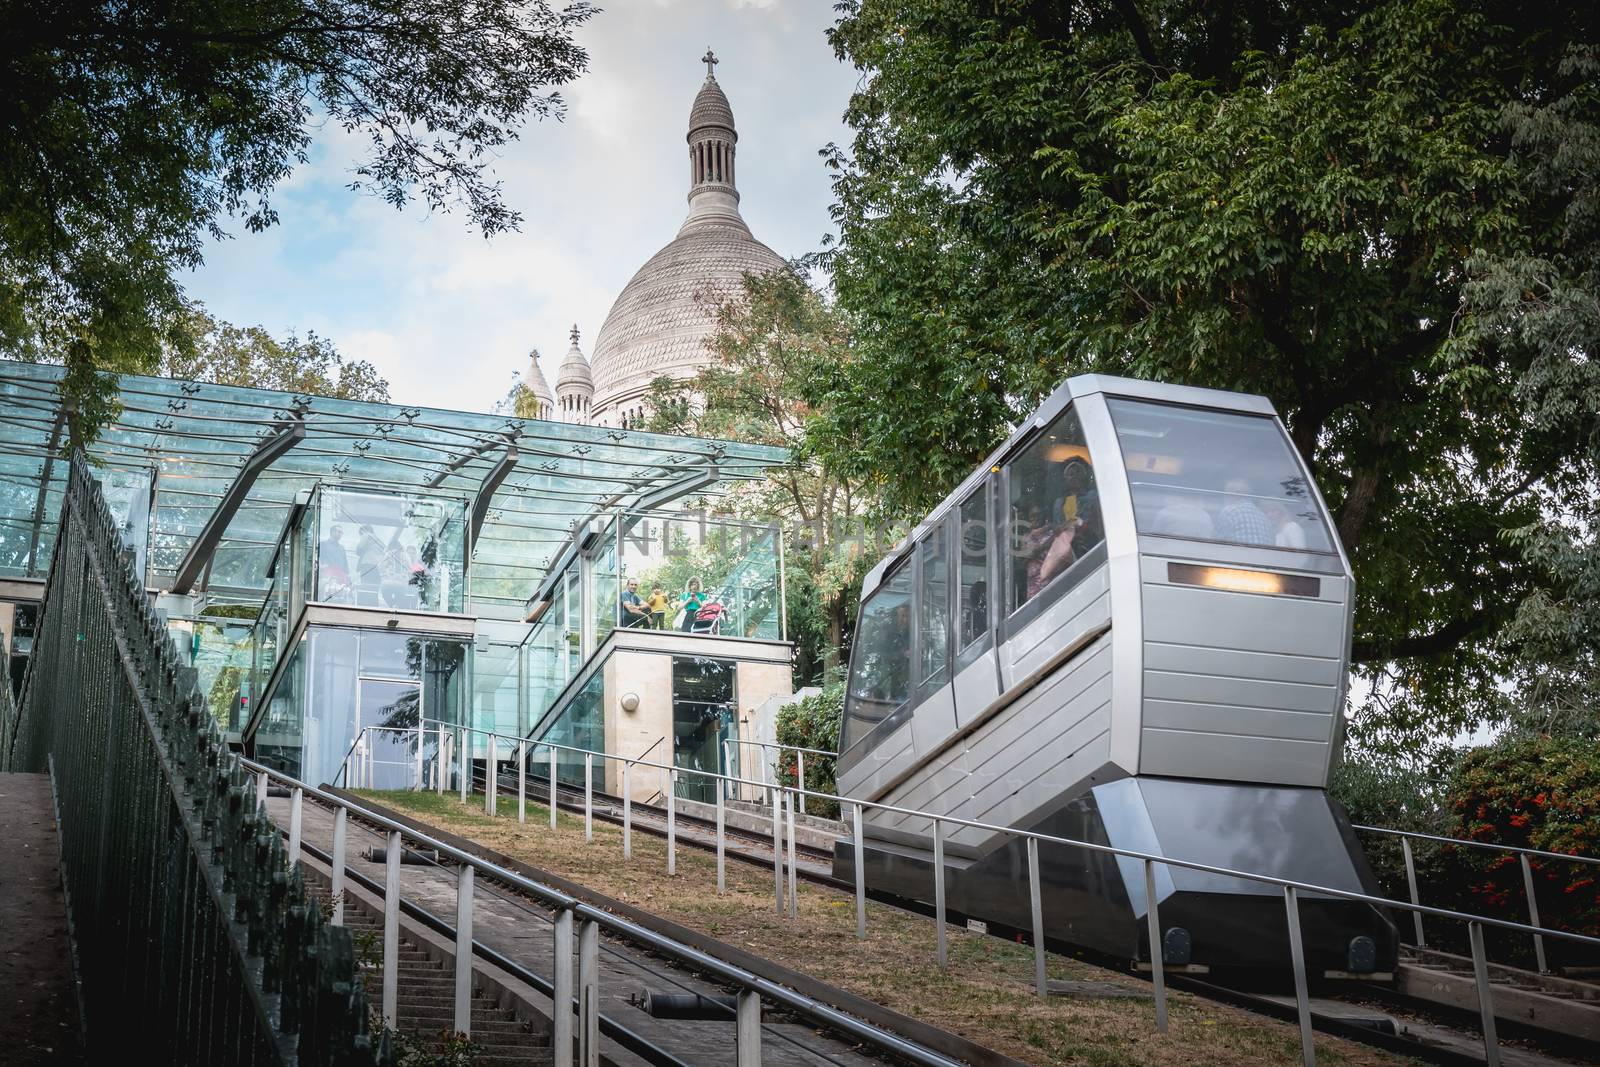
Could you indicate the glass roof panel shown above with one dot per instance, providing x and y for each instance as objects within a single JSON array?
[{"x": 197, "y": 437}]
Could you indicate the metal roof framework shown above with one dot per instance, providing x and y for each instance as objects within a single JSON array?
[{"x": 532, "y": 482}]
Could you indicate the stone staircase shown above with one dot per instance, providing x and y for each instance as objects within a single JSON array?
[{"x": 426, "y": 1001}]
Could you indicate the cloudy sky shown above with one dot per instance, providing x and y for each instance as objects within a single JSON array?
[{"x": 447, "y": 316}]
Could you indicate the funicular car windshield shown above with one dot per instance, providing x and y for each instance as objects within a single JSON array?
[{"x": 1207, "y": 475}]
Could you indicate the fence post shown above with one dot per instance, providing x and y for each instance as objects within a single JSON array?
[
  {"x": 794, "y": 895},
  {"x": 588, "y": 796},
  {"x": 748, "y": 1052},
  {"x": 1533, "y": 913},
  {"x": 295, "y": 801},
  {"x": 800, "y": 777},
  {"x": 464, "y": 876},
  {"x": 938, "y": 892},
  {"x": 627, "y": 813},
  {"x": 491, "y": 774},
  {"x": 442, "y": 763},
  {"x": 522, "y": 781},
  {"x": 561, "y": 993},
  {"x": 861, "y": 876},
  {"x": 339, "y": 832},
  {"x": 722, "y": 872},
  {"x": 672, "y": 822},
  {"x": 1480, "y": 972},
  {"x": 391, "y": 931},
  {"x": 777, "y": 849},
  {"x": 589, "y": 994},
  {"x": 552, "y": 787},
  {"x": 261, "y": 789},
  {"x": 1297, "y": 954},
  {"x": 1411, "y": 881},
  {"x": 421, "y": 784},
  {"x": 1036, "y": 905},
  {"x": 1158, "y": 954},
  {"x": 465, "y": 768}
]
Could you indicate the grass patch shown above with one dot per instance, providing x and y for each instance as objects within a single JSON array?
[{"x": 986, "y": 995}]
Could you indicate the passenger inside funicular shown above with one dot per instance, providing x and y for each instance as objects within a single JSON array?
[
  {"x": 1054, "y": 515},
  {"x": 1221, "y": 476}
]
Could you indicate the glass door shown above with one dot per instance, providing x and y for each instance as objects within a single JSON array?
[
  {"x": 389, "y": 709},
  {"x": 704, "y": 712}
]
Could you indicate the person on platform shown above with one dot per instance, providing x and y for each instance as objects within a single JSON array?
[
  {"x": 691, "y": 601},
  {"x": 333, "y": 566},
  {"x": 631, "y": 609},
  {"x": 658, "y": 604}
]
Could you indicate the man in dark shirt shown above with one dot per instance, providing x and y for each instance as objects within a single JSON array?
[{"x": 631, "y": 609}]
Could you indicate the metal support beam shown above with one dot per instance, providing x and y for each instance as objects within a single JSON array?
[
  {"x": 290, "y": 433},
  {"x": 485, "y": 494}
]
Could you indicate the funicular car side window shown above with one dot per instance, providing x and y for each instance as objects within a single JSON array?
[
  {"x": 880, "y": 668},
  {"x": 972, "y": 535},
  {"x": 933, "y": 605},
  {"x": 1216, "y": 476},
  {"x": 1053, "y": 509}
]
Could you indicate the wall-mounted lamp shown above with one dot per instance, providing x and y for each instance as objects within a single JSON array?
[{"x": 630, "y": 702}]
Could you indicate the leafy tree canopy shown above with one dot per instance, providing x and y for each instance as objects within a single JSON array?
[
  {"x": 1362, "y": 210},
  {"x": 219, "y": 352},
  {"x": 778, "y": 345},
  {"x": 131, "y": 133}
]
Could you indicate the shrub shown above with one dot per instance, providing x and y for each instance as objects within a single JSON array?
[
  {"x": 813, "y": 723},
  {"x": 1541, "y": 793}
]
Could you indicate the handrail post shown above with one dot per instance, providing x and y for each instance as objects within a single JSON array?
[
  {"x": 588, "y": 796},
  {"x": 295, "y": 803},
  {"x": 938, "y": 893},
  {"x": 1411, "y": 881},
  {"x": 441, "y": 765},
  {"x": 465, "y": 768},
  {"x": 491, "y": 774},
  {"x": 727, "y": 769},
  {"x": 1158, "y": 954},
  {"x": 800, "y": 777},
  {"x": 627, "y": 812},
  {"x": 777, "y": 849},
  {"x": 794, "y": 891},
  {"x": 552, "y": 787},
  {"x": 261, "y": 789},
  {"x": 421, "y": 784},
  {"x": 861, "y": 876},
  {"x": 522, "y": 781},
  {"x": 561, "y": 992},
  {"x": 1533, "y": 913},
  {"x": 464, "y": 876},
  {"x": 1036, "y": 908},
  {"x": 672, "y": 822},
  {"x": 748, "y": 1050},
  {"x": 589, "y": 994},
  {"x": 1480, "y": 973},
  {"x": 340, "y": 818},
  {"x": 391, "y": 931},
  {"x": 1302, "y": 997},
  {"x": 722, "y": 845}
]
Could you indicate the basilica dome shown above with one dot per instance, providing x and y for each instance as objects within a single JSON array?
[{"x": 662, "y": 319}]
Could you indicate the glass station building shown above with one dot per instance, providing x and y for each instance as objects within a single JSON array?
[{"x": 340, "y": 572}]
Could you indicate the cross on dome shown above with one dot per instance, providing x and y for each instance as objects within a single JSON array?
[
  {"x": 710, "y": 60},
  {"x": 574, "y": 335}
]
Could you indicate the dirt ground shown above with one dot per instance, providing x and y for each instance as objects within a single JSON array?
[{"x": 986, "y": 995}]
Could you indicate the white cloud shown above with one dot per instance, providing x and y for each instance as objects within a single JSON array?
[{"x": 446, "y": 316}]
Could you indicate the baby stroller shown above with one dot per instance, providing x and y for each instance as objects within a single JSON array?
[{"x": 708, "y": 620}]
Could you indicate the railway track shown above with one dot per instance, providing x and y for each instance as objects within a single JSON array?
[{"x": 1379, "y": 1014}]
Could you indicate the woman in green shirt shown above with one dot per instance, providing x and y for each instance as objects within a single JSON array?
[{"x": 691, "y": 601}]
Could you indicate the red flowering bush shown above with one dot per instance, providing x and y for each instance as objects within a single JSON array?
[{"x": 1541, "y": 793}]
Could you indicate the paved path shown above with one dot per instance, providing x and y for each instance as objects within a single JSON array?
[
  {"x": 523, "y": 931},
  {"x": 38, "y": 1007}
]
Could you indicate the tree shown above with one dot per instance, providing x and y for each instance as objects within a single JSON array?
[
  {"x": 129, "y": 133},
  {"x": 1285, "y": 200},
  {"x": 778, "y": 343},
  {"x": 224, "y": 354}
]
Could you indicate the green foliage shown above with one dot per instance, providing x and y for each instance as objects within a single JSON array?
[
  {"x": 249, "y": 356},
  {"x": 132, "y": 133},
  {"x": 1532, "y": 793},
  {"x": 1334, "y": 205},
  {"x": 813, "y": 723},
  {"x": 778, "y": 344}
]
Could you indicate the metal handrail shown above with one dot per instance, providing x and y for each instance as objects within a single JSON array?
[
  {"x": 1489, "y": 845},
  {"x": 784, "y": 800},
  {"x": 618, "y": 927},
  {"x": 1204, "y": 868}
]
